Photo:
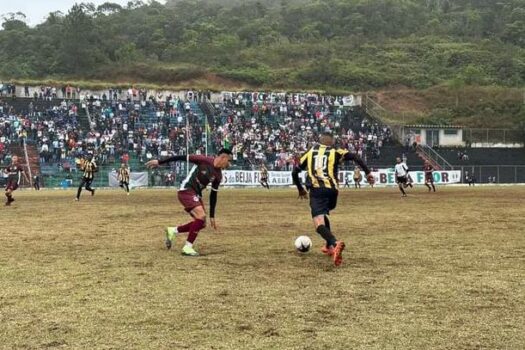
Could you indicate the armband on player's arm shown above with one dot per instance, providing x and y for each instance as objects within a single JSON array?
[
  {"x": 172, "y": 159},
  {"x": 296, "y": 180},
  {"x": 358, "y": 161},
  {"x": 213, "y": 201}
]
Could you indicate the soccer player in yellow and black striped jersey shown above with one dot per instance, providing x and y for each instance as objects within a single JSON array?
[
  {"x": 123, "y": 177},
  {"x": 321, "y": 163},
  {"x": 89, "y": 168},
  {"x": 264, "y": 176}
]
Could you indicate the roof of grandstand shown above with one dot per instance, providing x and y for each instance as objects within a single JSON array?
[{"x": 435, "y": 126}]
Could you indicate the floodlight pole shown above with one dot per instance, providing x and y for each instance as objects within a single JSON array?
[{"x": 187, "y": 145}]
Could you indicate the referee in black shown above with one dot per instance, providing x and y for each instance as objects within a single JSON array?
[{"x": 321, "y": 163}]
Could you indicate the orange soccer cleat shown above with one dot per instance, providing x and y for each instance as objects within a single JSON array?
[
  {"x": 338, "y": 253},
  {"x": 327, "y": 250}
]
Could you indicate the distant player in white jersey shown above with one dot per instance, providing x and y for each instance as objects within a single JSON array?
[{"x": 401, "y": 175}]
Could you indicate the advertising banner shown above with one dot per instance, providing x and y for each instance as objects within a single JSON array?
[
  {"x": 383, "y": 177},
  {"x": 135, "y": 179}
]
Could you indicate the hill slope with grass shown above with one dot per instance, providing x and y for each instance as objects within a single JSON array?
[{"x": 463, "y": 49}]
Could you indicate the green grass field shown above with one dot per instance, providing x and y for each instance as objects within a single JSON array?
[{"x": 432, "y": 271}]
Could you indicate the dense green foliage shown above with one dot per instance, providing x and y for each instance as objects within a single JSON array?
[{"x": 347, "y": 44}]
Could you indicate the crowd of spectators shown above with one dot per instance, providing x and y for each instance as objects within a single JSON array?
[
  {"x": 13, "y": 130},
  {"x": 54, "y": 130},
  {"x": 279, "y": 128},
  {"x": 273, "y": 128},
  {"x": 146, "y": 128}
]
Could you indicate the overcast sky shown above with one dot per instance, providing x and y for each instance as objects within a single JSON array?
[{"x": 37, "y": 10}]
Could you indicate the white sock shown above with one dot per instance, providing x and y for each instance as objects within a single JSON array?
[{"x": 188, "y": 244}]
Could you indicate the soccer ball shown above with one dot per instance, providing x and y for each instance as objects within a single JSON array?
[{"x": 303, "y": 244}]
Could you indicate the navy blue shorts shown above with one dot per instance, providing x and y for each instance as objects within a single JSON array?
[{"x": 322, "y": 200}]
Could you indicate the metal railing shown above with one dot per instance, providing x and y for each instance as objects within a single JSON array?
[
  {"x": 490, "y": 137},
  {"x": 89, "y": 117},
  {"x": 434, "y": 156},
  {"x": 485, "y": 174},
  {"x": 498, "y": 174},
  {"x": 381, "y": 116},
  {"x": 28, "y": 165}
]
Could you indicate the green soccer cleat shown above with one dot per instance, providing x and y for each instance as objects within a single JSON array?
[
  {"x": 170, "y": 235},
  {"x": 189, "y": 251}
]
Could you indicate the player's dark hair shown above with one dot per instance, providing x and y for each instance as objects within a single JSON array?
[
  {"x": 225, "y": 151},
  {"x": 326, "y": 138}
]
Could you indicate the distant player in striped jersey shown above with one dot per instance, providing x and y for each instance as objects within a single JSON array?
[
  {"x": 401, "y": 174},
  {"x": 429, "y": 176},
  {"x": 264, "y": 176},
  {"x": 123, "y": 177},
  {"x": 321, "y": 163},
  {"x": 206, "y": 170},
  {"x": 14, "y": 174},
  {"x": 88, "y": 167}
]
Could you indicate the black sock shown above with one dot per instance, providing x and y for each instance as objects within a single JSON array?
[
  {"x": 127, "y": 188},
  {"x": 402, "y": 190},
  {"x": 78, "y": 192},
  {"x": 327, "y": 223},
  {"x": 428, "y": 186},
  {"x": 327, "y": 235},
  {"x": 434, "y": 187}
]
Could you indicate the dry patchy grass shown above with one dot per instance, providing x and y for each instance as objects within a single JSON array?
[{"x": 434, "y": 271}]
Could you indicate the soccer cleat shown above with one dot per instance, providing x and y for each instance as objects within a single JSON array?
[
  {"x": 76, "y": 199},
  {"x": 189, "y": 251},
  {"x": 170, "y": 234},
  {"x": 338, "y": 253},
  {"x": 327, "y": 250}
]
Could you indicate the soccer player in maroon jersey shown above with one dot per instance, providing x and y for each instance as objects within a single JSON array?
[
  {"x": 206, "y": 170},
  {"x": 14, "y": 175},
  {"x": 429, "y": 178}
]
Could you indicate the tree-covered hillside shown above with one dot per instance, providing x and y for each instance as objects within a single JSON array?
[
  {"x": 357, "y": 44},
  {"x": 350, "y": 45}
]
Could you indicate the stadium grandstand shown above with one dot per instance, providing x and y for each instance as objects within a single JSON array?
[{"x": 51, "y": 126}]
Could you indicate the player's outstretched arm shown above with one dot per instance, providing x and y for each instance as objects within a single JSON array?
[
  {"x": 356, "y": 159},
  {"x": 156, "y": 162},
  {"x": 297, "y": 182},
  {"x": 213, "y": 204}
]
